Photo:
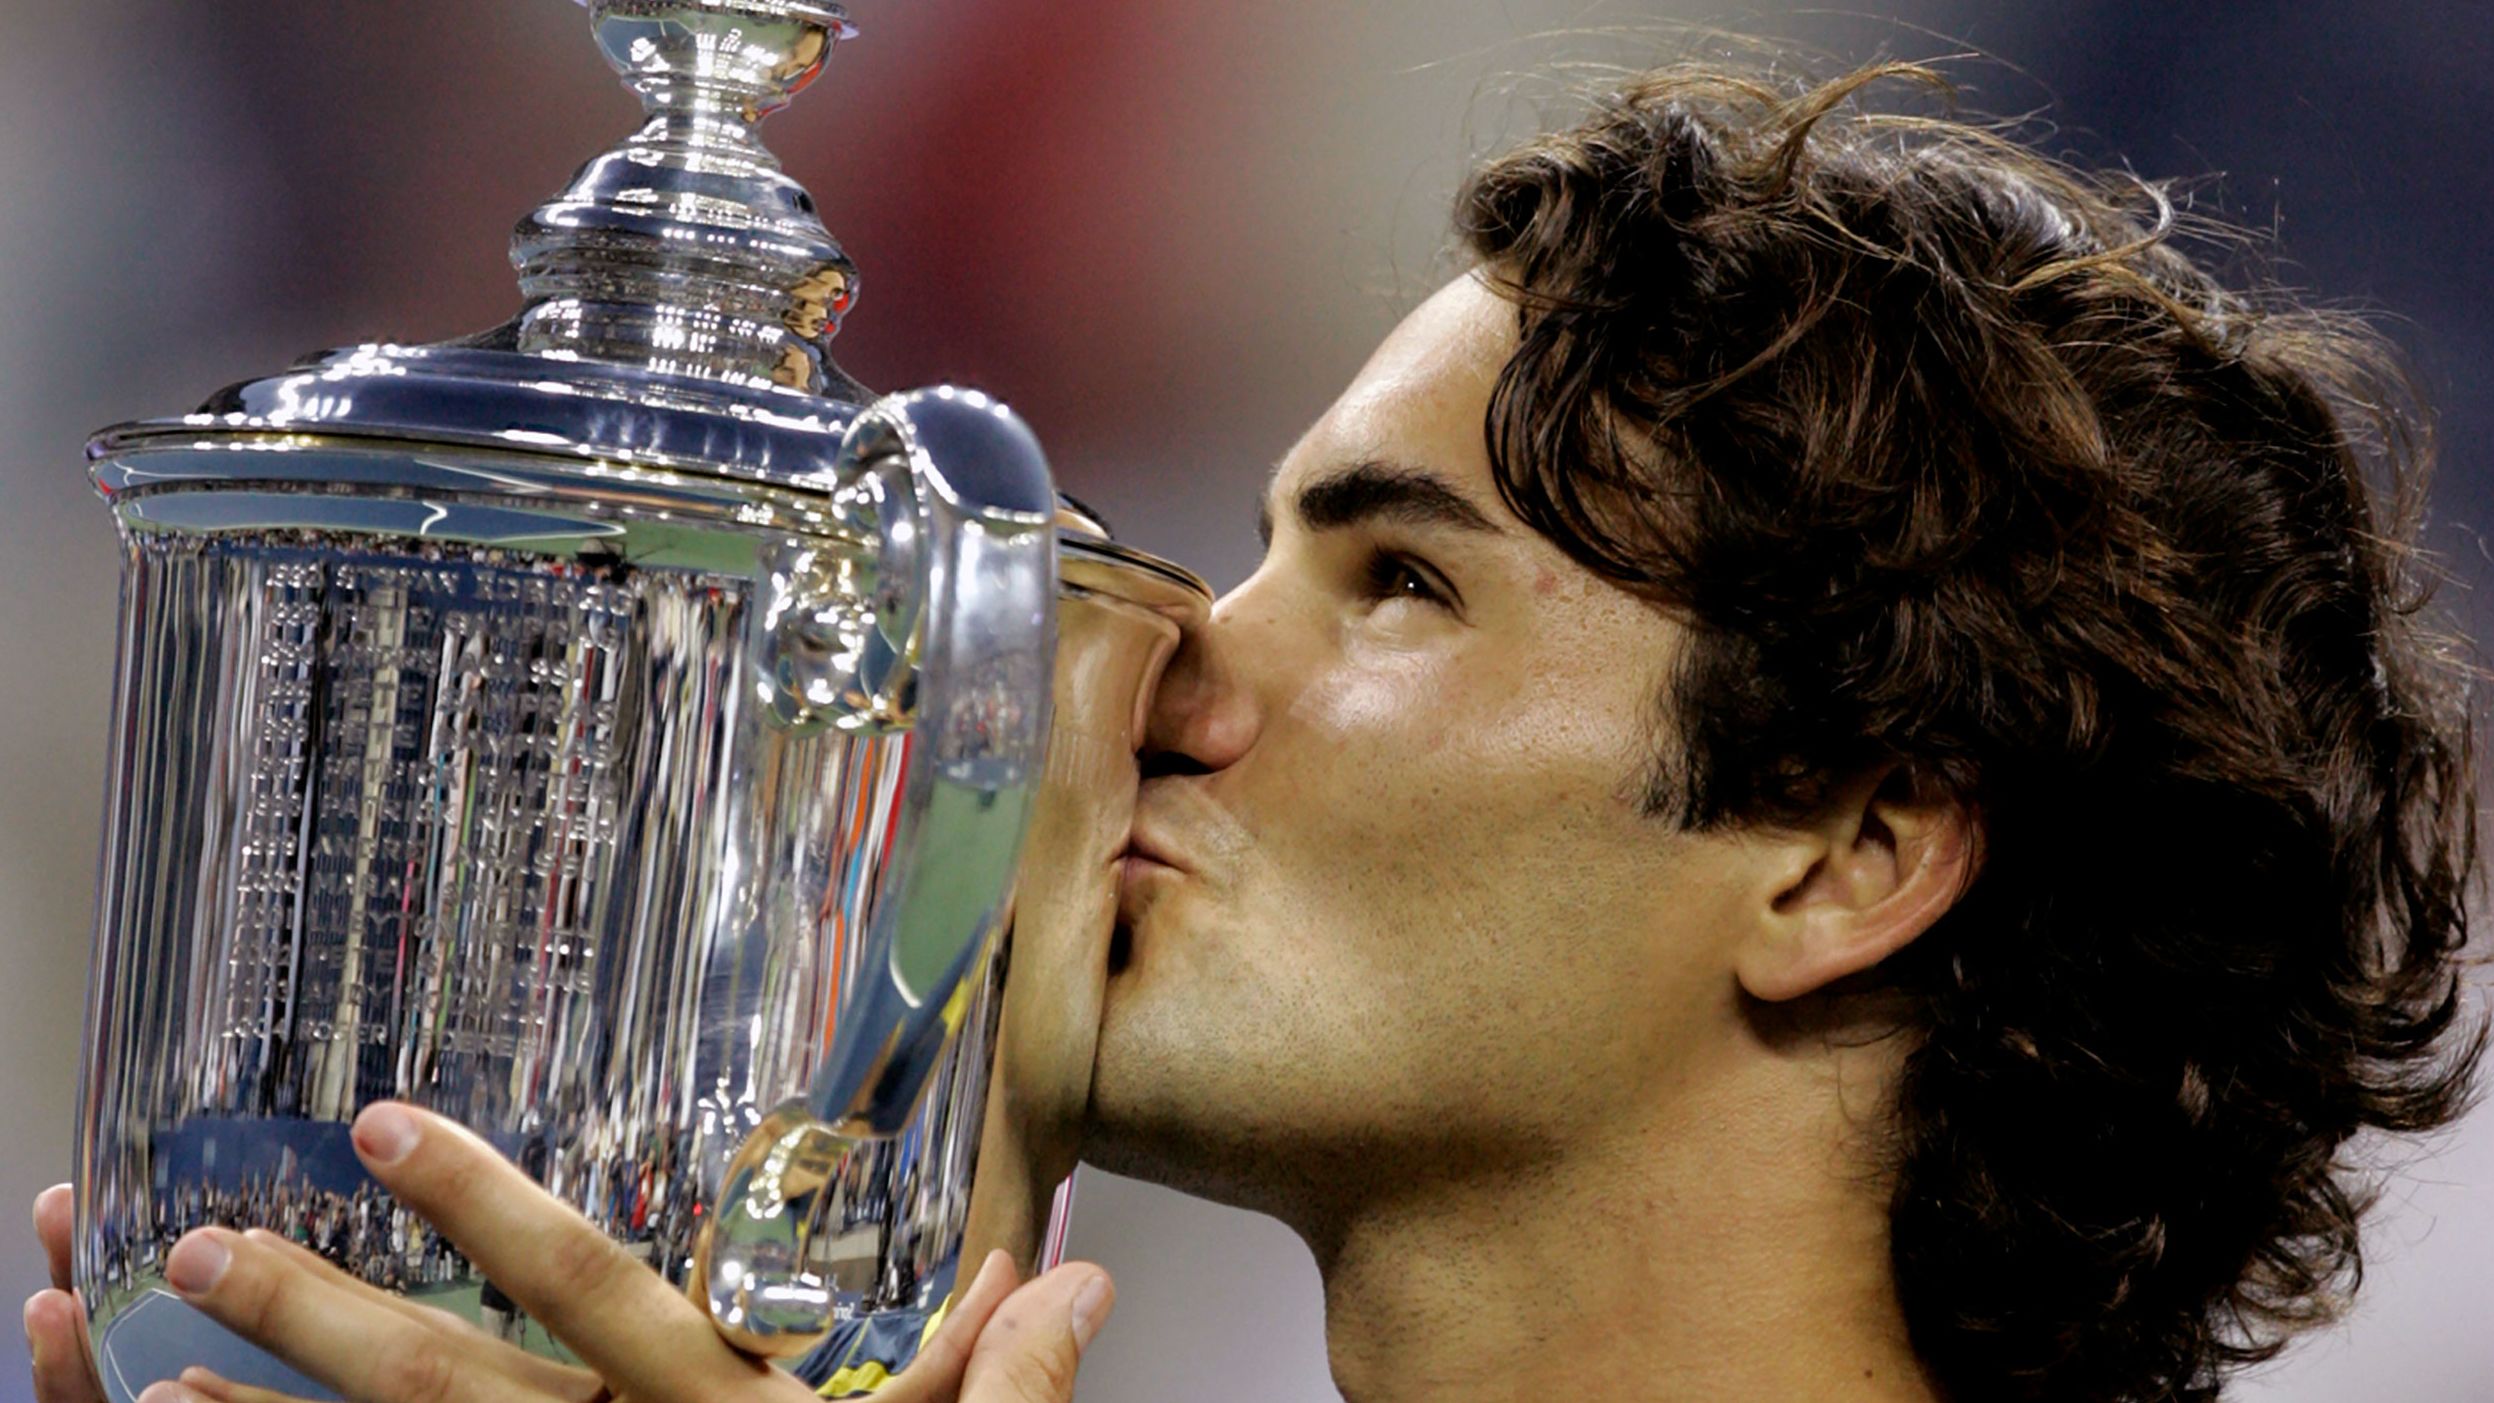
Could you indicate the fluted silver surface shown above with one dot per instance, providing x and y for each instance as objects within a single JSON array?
[{"x": 483, "y": 830}]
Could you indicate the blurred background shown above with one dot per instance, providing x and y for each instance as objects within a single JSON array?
[{"x": 1168, "y": 233}]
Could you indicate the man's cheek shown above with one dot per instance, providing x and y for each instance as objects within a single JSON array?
[{"x": 1379, "y": 695}]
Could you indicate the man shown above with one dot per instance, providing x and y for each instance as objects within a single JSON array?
[{"x": 1829, "y": 789}]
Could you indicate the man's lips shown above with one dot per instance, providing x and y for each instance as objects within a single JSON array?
[
  {"x": 1143, "y": 847},
  {"x": 1134, "y": 872},
  {"x": 1145, "y": 861},
  {"x": 1138, "y": 864}
]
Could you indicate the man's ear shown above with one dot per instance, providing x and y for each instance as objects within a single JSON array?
[{"x": 1873, "y": 869}]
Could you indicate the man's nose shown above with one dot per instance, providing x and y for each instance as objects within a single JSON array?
[{"x": 1206, "y": 711}]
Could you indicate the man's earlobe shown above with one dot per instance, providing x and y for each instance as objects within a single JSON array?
[{"x": 1874, "y": 870}]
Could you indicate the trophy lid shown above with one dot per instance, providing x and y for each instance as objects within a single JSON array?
[{"x": 680, "y": 293}]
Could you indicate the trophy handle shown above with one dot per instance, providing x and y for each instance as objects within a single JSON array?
[{"x": 939, "y": 625}]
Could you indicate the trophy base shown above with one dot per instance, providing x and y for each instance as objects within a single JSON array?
[
  {"x": 154, "y": 1334},
  {"x": 151, "y": 1334}
]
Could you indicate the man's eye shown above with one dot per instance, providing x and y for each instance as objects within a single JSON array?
[{"x": 1391, "y": 576}]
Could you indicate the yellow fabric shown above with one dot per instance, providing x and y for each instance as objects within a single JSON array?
[
  {"x": 850, "y": 1380},
  {"x": 959, "y": 1003},
  {"x": 854, "y": 1379}
]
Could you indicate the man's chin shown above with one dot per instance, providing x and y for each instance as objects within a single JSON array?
[
  {"x": 1190, "y": 1124},
  {"x": 1158, "y": 1109}
]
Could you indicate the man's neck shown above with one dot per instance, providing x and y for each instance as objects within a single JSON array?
[{"x": 1738, "y": 1253}]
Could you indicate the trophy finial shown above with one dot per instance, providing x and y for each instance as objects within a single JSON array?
[{"x": 686, "y": 249}]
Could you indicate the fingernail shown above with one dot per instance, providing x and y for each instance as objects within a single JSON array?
[
  {"x": 1091, "y": 1308},
  {"x": 385, "y": 1133},
  {"x": 205, "y": 1381},
  {"x": 167, "y": 1391},
  {"x": 31, "y": 1350},
  {"x": 998, "y": 1260},
  {"x": 197, "y": 1262}
]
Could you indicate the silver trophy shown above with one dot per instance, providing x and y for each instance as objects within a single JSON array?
[{"x": 623, "y": 733}]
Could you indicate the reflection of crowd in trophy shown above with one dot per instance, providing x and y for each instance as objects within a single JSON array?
[
  {"x": 368, "y": 1234},
  {"x": 860, "y": 1198},
  {"x": 987, "y": 709},
  {"x": 364, "y": 1232}
]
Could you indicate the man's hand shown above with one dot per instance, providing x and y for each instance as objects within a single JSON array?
[{"x": 641, "y": 1339}]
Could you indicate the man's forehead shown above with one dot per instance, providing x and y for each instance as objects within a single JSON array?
[
  {"x": 1421, "y": 399},
  {"x": 1453, "y": 344}
]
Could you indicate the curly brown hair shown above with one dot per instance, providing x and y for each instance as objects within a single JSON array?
[{"x": 1952, "y": 456}]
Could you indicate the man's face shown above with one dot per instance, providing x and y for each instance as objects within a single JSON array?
[{"x": 1407, "y": 916}]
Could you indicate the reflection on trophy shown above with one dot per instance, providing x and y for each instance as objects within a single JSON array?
[{"x": 622, "y": 733}]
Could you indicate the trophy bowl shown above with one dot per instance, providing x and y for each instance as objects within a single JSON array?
[{"x": 622, "y": 733}]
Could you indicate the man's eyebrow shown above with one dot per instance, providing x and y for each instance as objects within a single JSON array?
[{"x": 1373, "y": 490}]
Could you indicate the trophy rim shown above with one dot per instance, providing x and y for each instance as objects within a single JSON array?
[
  {"x": 784, "y": 442},
  {"x": 515, "y": 401}
]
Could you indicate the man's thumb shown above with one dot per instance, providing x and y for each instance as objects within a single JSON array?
[{"x": 1032, "y": 1344}]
